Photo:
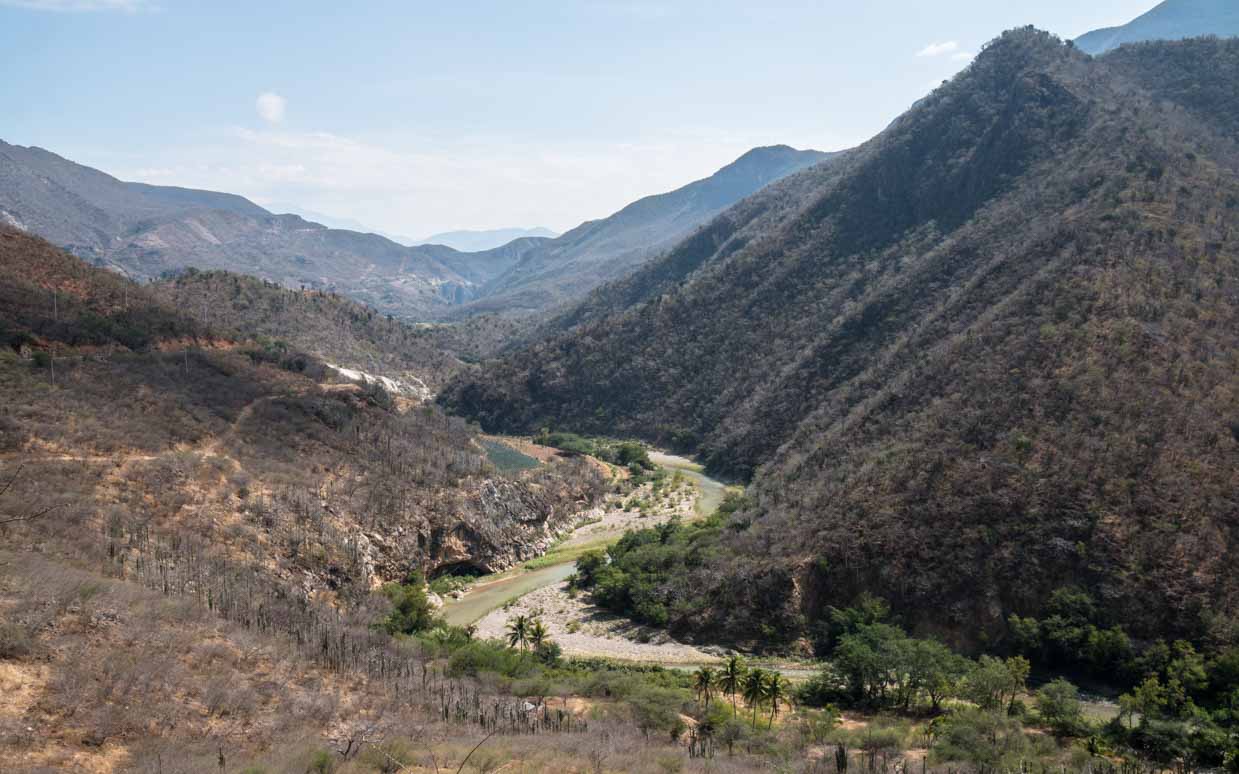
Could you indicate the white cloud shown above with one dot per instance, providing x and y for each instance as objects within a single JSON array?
[
  {"x": 128, "y": 6},
  {"x": 938, "y": 49},
  {"x": 271, "y": 107}
]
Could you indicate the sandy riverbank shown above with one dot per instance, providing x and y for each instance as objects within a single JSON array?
[{"x": 583, "y": 629}]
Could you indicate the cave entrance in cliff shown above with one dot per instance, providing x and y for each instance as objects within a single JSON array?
[{"x": 458, "y": 570}]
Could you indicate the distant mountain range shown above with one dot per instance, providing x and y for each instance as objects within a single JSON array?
[
  {"x": 145, "y": 231},
  {"x": 475, "y": 241},
  {"x": 1171, "y": 20},
  {"x": 468, "y": 241},
  {"x": 334, "y": 221},
  {"x": 985, "y": 356},
  {"x": 566, "y": 268}
]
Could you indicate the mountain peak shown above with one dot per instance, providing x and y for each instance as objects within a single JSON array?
[{"x": 767, "y": 155}]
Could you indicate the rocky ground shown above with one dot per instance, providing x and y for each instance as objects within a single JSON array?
[
  {"x": 646, "y": 506},
  {"x": 582, "y": 628}
]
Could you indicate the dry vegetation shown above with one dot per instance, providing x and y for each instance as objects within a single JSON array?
[
  {"x": 322, "y": 324},
  {"x": 989, "y": 354},
  {"x": 193, "y": 526}
]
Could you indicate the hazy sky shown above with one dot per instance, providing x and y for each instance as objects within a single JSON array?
[{"x": 417, "y": 117}]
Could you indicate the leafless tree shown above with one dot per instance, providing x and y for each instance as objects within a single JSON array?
[{"x": 11, "y": 518}]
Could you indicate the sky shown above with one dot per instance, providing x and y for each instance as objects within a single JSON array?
[{"x": 417, "y": 117}]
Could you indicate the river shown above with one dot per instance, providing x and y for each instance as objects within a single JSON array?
[
  {"x": 493, "y": 593},
  {"x": 712, "y": 491}
]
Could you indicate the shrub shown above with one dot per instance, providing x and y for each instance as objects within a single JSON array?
[
  {"x": 478, "y": 657},
  {"x": 1164, "y": 741},
  {"x": 15, "y": 641},
  {"x": 1058, "y": 704},
  {"x": 657, "y": 710},
  {"x": 321, "y": 762},
  {"x": 823, "y": 689},
  {"x": 986, "y": 740},
  {"x": 411, "y": 608},
  {"x": 389, "y": 757},
  {"x": 549, "y": 653}
]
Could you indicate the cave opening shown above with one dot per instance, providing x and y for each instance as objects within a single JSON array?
[{"x": 458, "y": 570}]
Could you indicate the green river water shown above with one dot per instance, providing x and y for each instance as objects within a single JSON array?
[{"x": 493, "y": 593}]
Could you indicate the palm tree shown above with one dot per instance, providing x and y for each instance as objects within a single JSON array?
[
  {"x": 704, "y": 681},
  {"x": 776, "y": 691},
  {"x": 518, "y": 632},
  {"x": 731, "y": 681},
  {"x": 538, "y": 633},
  {"x": 755, "y": 691}
]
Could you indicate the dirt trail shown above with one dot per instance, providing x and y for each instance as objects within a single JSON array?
[{"x": 208, "y": 448}]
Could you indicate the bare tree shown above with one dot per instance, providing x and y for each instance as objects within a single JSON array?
[{"x": 9, "y": 518}]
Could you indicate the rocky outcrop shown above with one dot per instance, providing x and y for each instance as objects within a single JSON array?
[{"x": 497, "y": 524}]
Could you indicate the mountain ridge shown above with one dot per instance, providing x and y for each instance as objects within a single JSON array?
[
  {"x": 1169, "y": 20},
  {"x": 477, "y": 240},
  {"x": 933, "y": 356},
  {"x": 571, "y": 265},
  {"x": 146, "y": 231}
]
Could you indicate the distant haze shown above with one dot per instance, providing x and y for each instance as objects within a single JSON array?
[
  {"x": 417, "y": 118},
  {"x": 475, "y": 241}
]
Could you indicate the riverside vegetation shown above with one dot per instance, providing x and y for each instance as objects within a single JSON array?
[{"x": 979, "y": 374}]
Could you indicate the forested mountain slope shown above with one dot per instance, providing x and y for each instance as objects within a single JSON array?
[
  {"x": 329, "y": 326},
  {"x": 991, "y": 353},
  {"x": 566, "y": 268}
]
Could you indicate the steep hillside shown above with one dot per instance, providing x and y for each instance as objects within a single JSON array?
[
  {"x": 122, "y": 400},
  {"x": 566, "y": 268},
  {"x": 989, "y": 354},
  {"x": 1170, "y": 20},
  {"x": 145, "y": 231},
  {"x": 325, "y": 325},
  {"x": 206, "y": 553}
]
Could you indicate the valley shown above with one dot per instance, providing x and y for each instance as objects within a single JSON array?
[
  {"x": 540, "y": 590},
  {"x": 918, "y": 454}
]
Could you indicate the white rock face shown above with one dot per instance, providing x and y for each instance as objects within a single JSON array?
[
  {"x": 410, "y": 388},
  {"x": 12, "y": 220}
]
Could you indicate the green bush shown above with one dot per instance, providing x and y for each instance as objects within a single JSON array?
[
  {"x": 411, "y": 609},
  {"x": 1163, "y": 741},
  {"x": 987, "y": 740},
  {"x": 1058, "y": 705},
  {"x": 548, "y": 653},
  {"x": 322, "y": 762},
  {"x": 824, "y": 689},
  {"x": 389, "y": 757},
  {"x": 479, "y": 657}
]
